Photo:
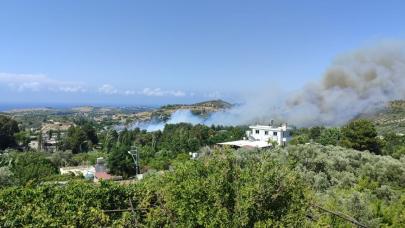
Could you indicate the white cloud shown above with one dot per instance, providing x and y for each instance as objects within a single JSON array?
[
  {"x": 108, "y": 89},
  {"x": 38, "y": 82},
  {"x": 130, "y": 92},
  {"x": 158, "y": 92},
  {"x": 214, "y": 95},
  {"x": 41, "y": 82}
]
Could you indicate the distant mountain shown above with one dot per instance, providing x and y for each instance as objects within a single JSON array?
[
  {"x": 212, "y": 104},
  {"x": 219, "y": 104}
]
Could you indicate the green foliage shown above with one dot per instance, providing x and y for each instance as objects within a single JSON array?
[
  {"x": 300, "y": 139},
  {"x": 224, "y": 190},
  {"x": 80, "y": 138},
  {"x": 88, "y": 158},
  {"x": 22, "y": 138},
  {"x": 184, "y": 137},
  {"x": 31, "y": 167},
  {"x": 221, "y": 190},
  {"x": 77, "y": 204},
  {"x": 158, "y": 149},
  {"x": 6, "y": 176},
  {"x": 315, "y": 132},
  {"x": 394, "y": 145},
  {"x": 8, "y": 127},
  {"x": 62, "y": 158},
  {"x": 120, "y": 162},
  {"x": 360, "y": 135},
  {"x": 108, "y": 139},
  {"x": 90, "y": 132},
  {"x": 329, "y": 136},
  {"x": 362, "y": 185}
]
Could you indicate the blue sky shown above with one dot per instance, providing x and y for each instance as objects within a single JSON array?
[{"x": 155, "y": 52}]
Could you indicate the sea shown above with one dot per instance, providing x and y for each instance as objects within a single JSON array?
[
  {"x": 8, "y": 107},
  {"x": 12, "y": 106}
]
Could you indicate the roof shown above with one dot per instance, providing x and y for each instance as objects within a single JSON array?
[
  {"x": 103, "y": 176},
  {"x": 75, "y": 168},
  {"x": 247, "y": 143},
  {"x": 269, "y": 128}
]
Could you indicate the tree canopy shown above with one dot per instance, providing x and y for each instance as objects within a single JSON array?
[
  {"x": 361, "y": 135},
  {"x": 8, "y": 127}
]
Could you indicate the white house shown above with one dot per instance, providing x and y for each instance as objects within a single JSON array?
[
  {"x": 77, "y": 170},
  {"x": 261, "y": 136}
]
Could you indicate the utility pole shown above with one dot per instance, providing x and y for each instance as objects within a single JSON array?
[{"x": 135, "y": 156}]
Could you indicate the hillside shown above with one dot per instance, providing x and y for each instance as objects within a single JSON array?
[
  {"x": 391, "y": 118},
  {"x": 213, "y": 105},
  {"x": 35, "y": 117},
  {"x": 200, "y": 109}
]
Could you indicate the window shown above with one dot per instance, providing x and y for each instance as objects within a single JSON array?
[
  {"x": 266, "y": 132},
  {"x": 275, "y": 133},
  {"x": 257, "y": 131}
]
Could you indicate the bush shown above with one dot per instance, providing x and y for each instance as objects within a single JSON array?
[
  {"x": 360, "y": 184},
  {"x": 220, "y": 190}
]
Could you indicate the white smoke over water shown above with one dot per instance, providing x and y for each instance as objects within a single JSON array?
[{"x": 359, "y": 82}]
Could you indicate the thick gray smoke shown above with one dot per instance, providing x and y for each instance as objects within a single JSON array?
[{"x": 359, "y": 82}]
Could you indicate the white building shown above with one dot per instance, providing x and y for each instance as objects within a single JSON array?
[
  {"x": 77, "y": 170},
  {"x": 33, "y": 145},
  {"x": 261, "y": 136}
]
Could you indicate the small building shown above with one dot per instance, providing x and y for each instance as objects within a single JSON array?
[
  {"x": 101, "y": 171},
  {"x": 34, "y": 145},
  {"x": 77, "y": 170},
  {"x": 95, "y": 173},
  {"x": 262, "y": 136}
]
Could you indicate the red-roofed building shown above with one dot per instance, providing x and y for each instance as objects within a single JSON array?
[{"x": 102, "y": 176}]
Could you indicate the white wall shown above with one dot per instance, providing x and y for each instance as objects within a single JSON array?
[{"x": 261, "y": 136}]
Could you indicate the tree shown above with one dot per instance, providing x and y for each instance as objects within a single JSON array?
[
  {"x": 315, "y": 132},
  {"x": 109, "y": 139},
  {"x": 329, "y": 136},
  {"x": 90, "y": 132},
  {"x": 120, "y": 162},
  {"x": 22, "y": 138},
  {"x": 394, "y": 145},
  {"x": 8, "y": 127},
  {"x": 361, "y": 135},
  {"x": 76, "y": 140}
]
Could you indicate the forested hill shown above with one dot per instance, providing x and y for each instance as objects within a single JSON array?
[
  {"x": 214, "y": 104},
  {"x": 391, "y": 118},
  {"x": 200, "y": 109}
]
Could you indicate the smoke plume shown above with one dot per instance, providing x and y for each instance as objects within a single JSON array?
[{"x": 359, "y": 82}]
